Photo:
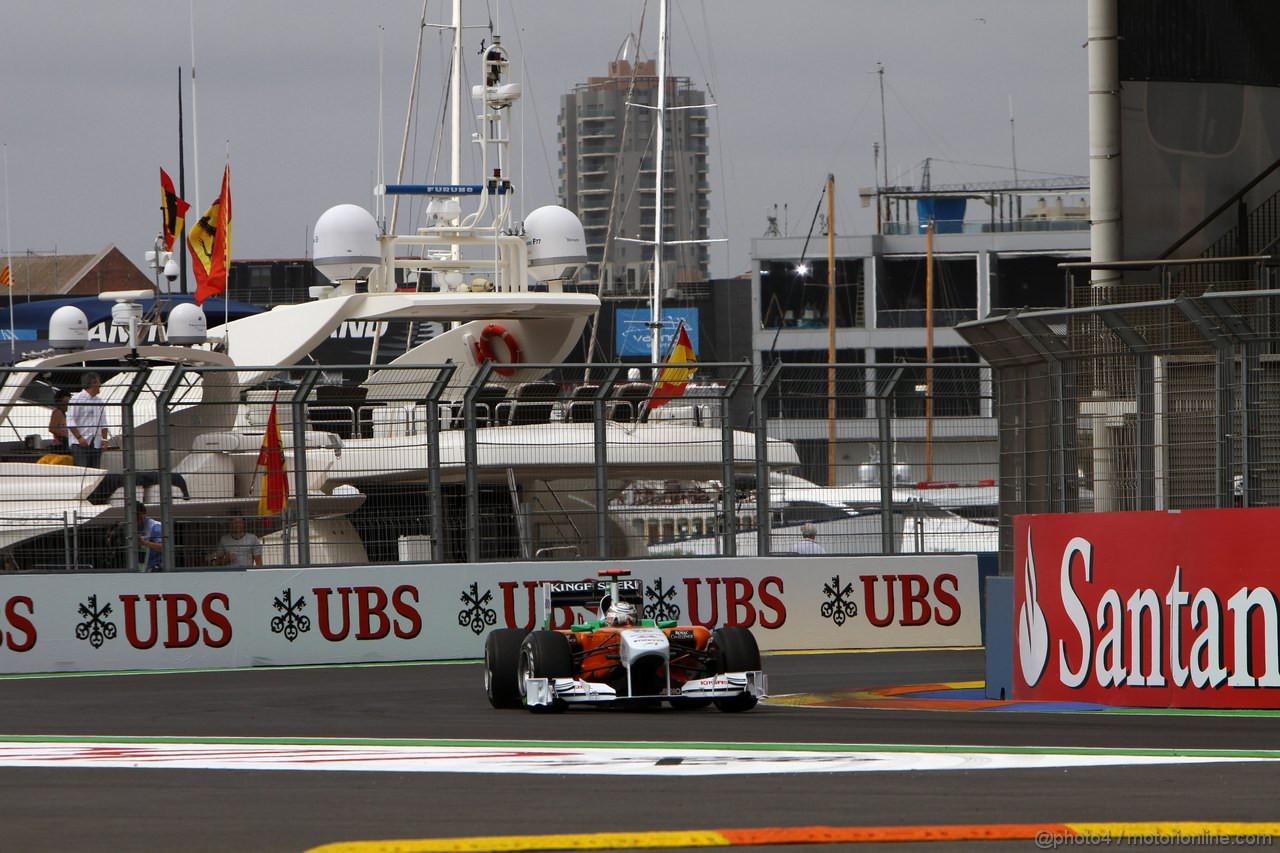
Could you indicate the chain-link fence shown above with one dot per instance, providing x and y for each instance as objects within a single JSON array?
[
  {"x": 1164, "y": 404},
  {"x": 349, "y": 466}
]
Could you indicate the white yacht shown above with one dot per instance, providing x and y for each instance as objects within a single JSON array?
[{"x": 847, "y": 520}]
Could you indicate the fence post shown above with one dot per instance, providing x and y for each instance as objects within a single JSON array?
[
  {"x": 471, "y": 455},
  {"x": 164, "y": 450},
  {"x": 434, "y": 393},
  {"x": 728, "y": 460},
  {"x": 761, "y": 418},
  {"x": 1145, "y": 399},
  {"x": 300, "y": 501},
  {"x": 1250, "y": 420},
  {"x": 1246, "y": 340},
  {"x": 129, "y": 462},
  {"x": 1224, "y": 369},
  {"x": 885, "y": 434},
  {"x": 600, "y": 437}
]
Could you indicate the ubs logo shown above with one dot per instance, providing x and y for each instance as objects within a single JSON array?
[{"x": 839, "y": 605}]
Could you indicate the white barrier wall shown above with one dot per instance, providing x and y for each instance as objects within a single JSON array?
[{"x": 94, "y": 622}]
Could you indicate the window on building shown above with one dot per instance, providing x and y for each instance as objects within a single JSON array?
[
  {"x": 794, "y": 296},
  {"x": 901, "y": 297},
  {"x": 802, "y": 387},
  {"x": 1028, "y": 282},
  {"x": 956, "y": 390}
]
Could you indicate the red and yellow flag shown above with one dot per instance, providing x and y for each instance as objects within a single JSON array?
[
  {"x": 6, "y": 280},
  {"x": 274, "y": 493},
  {"x": 210, "y": 244},
  {"x": 672, "y": 380},
  {"x": 173, "y": 209}
]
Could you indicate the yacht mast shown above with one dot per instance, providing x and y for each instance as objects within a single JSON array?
[
  {"x": 928, "y": 351},
  {"x": 655, "y": 319},
  {"x": 831, "y": 329},
  {"x": 408, "y": 117},
  {"x": 455, "y": 111},
  {"x": 455, "y": 97}
]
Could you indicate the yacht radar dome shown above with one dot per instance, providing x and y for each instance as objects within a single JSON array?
[
  {"x": 556, "y": 241},
  {"x": 68, "y": 328},
  {"x": 346, "y": 243},
  {"x": 187, "y": 324}
]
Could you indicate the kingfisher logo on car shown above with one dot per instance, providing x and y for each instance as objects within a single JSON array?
[{"x": 600, "y": 587}]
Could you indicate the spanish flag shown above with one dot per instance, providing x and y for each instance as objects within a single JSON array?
[
  {"x": 6, "y": 280},
  {"x": 672, "y": 380},
  {"x": 210, "y": 244},
  {"x": 274, "y": 493},
  {"x": 173, "y": 209}
]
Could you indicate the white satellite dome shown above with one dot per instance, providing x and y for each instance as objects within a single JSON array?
[
  {"x": 346, "y": 243},
  {"x": 187, "y": 324},
  {"x": 68, "y": 328},
  {"x": 556, "y": 242}
]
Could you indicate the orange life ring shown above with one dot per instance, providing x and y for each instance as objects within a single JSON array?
[{"x": 484, "y": 352}]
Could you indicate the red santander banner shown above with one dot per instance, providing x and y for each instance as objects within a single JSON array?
[{"x": 1148, "y": 609}]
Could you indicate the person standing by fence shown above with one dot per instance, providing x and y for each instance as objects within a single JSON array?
[
  {"x": 237, "y": 547},
  {"x": 150, "y": 542},
  {"x": 809, "y": 543},
  {"x": 87, "y": 423},
  {"x": 58, "y": 423}
]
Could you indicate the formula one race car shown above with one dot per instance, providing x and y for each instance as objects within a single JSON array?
[{"x": 619, "y": 658}]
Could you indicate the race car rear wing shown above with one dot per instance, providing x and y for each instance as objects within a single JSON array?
[{"x": 589, "y": 594}]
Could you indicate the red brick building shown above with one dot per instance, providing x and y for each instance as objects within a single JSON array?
[{"x": 75, "y": 275}]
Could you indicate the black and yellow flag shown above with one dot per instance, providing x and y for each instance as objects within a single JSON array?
[{"x": 173, "y": 209}]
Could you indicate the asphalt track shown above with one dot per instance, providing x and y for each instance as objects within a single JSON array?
[{"x": 51, "y": 807}]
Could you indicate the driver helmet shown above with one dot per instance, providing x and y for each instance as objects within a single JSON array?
[{"x": 620, "y": 614}]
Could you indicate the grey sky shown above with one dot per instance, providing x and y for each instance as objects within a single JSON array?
[{"x": 88, "y": 110}]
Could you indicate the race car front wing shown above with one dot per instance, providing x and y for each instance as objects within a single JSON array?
[{"x": 545, "y": 691}]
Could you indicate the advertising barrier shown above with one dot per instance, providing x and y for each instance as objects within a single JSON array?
[
  {"x": 97, "y": 622},
  {"x": 1152, "y": 609}
]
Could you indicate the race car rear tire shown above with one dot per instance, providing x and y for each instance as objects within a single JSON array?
[
  {"x": 502, "y": 667},
  {"x": 545, "y": 654},
  {"x": 736, "y": 651}
]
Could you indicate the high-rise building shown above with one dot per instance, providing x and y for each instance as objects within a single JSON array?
[{"x": 607, "y": 160}]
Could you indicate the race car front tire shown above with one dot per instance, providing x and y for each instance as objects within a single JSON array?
[
  {"x": 736, "y": 651},
  {"x": 545, "y": 654},
  {"x": 502, "y": 667}
]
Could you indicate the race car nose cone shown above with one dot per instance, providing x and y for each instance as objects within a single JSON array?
[{"x": 640, "y": 642}]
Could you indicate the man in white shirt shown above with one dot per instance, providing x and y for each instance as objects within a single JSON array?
[
  {"x": 238, "y": 547},
  {"x": 809, "y": 544},
  {"x": 87, "y": 423}
]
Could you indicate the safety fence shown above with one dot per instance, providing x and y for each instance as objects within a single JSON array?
[
  {"x": 1165, "y": 404},
  {"x": 352, "y": 465}
]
